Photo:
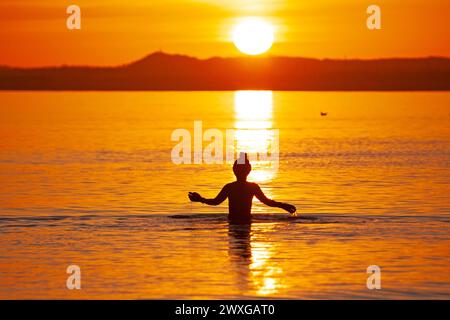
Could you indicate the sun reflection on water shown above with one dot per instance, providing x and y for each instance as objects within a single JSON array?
[
  {"x": 252, "y": 255},
  {"x": 254, "y": 133}
]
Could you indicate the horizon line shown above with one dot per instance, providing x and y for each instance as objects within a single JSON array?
[{"x": 263, "y": 56}]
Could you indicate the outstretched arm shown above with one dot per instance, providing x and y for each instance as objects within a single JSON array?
[
  {"x": 223, "y": 194},
  {"x": 272, "y": 203}
]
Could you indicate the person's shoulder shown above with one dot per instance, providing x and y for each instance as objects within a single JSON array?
[
  {"x": 229, "y": 185},
  {"x": 253, "y": 185}
]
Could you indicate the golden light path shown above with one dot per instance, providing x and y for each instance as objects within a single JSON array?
[
  {"x": 252, "y": 254},
  {"x": 255, "y": 135},
  {"x": 265, "y": 274},
  {"x": 254, "y": 132}
]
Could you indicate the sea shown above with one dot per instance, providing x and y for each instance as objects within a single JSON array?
[{"x": 99, "y": 181}]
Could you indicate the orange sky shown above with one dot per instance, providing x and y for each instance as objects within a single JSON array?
[{"x": 34, "y": 33}]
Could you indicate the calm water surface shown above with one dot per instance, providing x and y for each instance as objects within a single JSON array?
[{"x": 87, "y": 179}]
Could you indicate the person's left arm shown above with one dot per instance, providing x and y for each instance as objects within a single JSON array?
[{"x": 272, "y": 203}]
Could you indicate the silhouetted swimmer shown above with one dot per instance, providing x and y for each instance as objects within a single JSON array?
[{"x": 240, "y": 194}]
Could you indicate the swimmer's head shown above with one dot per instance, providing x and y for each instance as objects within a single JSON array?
[{"x": 242, "y": 167}]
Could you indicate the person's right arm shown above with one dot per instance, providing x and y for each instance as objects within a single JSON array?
[
  {"x": 223, "y": 194},
  {"x": 272, "y": 203}
]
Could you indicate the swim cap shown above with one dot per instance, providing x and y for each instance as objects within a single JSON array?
[{"x": 242, "y": 166}]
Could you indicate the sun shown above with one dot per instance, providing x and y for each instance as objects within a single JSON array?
[{"x": 253, "y": 36}]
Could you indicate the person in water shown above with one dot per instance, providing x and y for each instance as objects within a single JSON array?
[{"x": 240, "y": 194}]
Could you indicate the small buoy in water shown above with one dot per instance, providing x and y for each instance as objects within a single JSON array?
[{"x": 323, "y": 114}]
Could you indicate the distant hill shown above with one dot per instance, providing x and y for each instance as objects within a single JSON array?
[{"x": 161, "y": 71}]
